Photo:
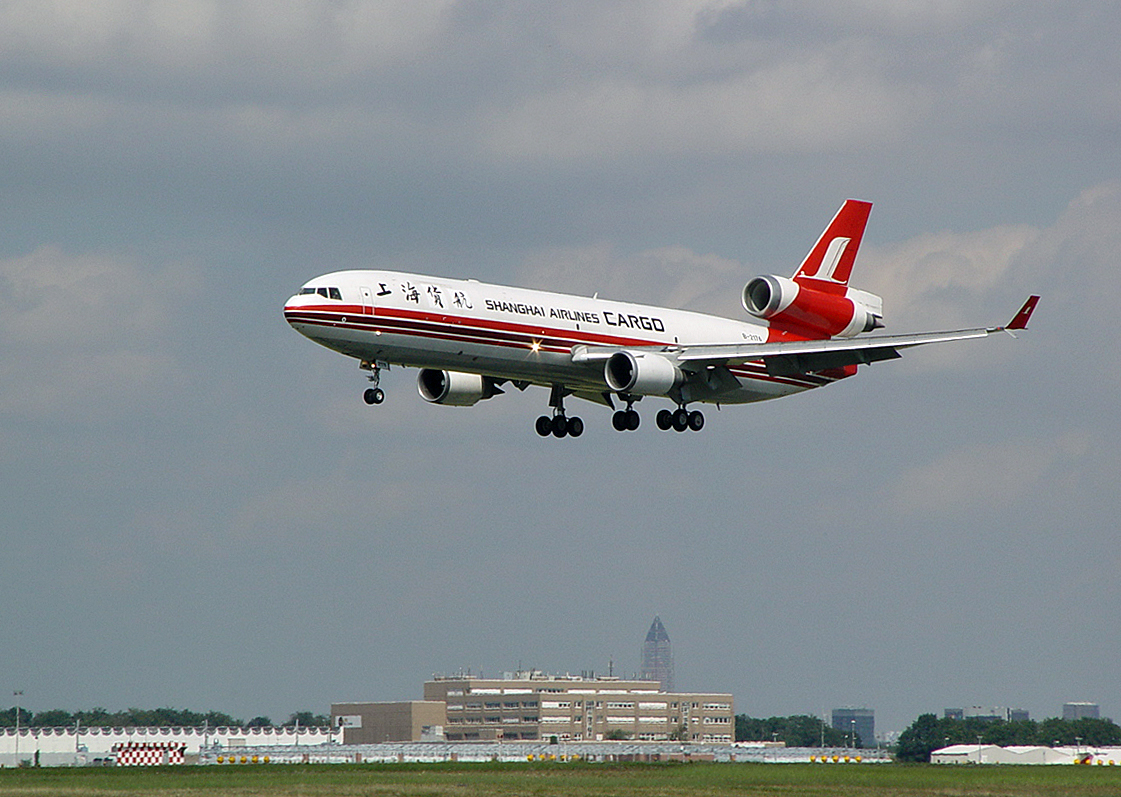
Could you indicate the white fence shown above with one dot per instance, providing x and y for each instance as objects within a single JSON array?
[{"x": 80, "y": 746}]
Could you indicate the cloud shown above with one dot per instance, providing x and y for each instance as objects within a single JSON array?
[
  {"x": 173, "y": 39},
  {"x": 817, "y": 101},
  {"x": 672, "y": 276},
  {"x": 86, "y": 333},
  {"x": 987, "y": 477},
  {"x": 936, "y": 278},
  {"x": 566, "y": 84}
]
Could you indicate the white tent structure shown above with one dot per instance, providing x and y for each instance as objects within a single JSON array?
[{"x": 994, "y": 754}]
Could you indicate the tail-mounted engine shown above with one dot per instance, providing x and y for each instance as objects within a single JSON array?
[
  {"x": 813, "y": 308},
  {"x": 454, "y": 388}
]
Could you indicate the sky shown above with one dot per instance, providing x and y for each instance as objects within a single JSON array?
[{"x": 200, "y": 512}]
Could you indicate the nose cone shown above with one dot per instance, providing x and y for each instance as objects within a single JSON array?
[
  {"x": 291, "y": 307},
  {"x": 298, "y": 311}
]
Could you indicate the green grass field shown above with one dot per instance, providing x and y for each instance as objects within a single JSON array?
[{"x": 566, "y": 780}]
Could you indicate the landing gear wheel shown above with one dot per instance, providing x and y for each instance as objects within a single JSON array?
[
  {"x": 696, "y": 420},
  {"x": 680, "y": 420},
  {"x": 544, "y": 426},
  {"x": 373, "y": 395},
  {"x": 633, "y": 420},
  {"x": 575, "y": 427},
  {"x": 619, "y": 421},
  {"x": 559, "y": 425},
  {"x": 664, "y": 419}
]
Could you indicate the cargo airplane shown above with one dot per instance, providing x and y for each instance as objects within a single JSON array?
[{"x": 470, "y": 339}]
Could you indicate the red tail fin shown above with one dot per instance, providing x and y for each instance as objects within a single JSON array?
[{"x": 833, "y": 255}]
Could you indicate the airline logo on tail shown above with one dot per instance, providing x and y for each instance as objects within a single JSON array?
[{"x": 832, "y": 257}]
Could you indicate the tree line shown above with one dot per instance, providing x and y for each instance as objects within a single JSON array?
[
  {"x": 148, "y": 718},
  {"x": 929, "y": 733},
  {"x": 800, "y": 730}
]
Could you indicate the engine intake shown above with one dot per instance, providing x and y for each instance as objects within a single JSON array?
[
  {"x": 826, "y": 309},
  {"x": 641, "y": 373},
  {"x": 454, "y": 388}
]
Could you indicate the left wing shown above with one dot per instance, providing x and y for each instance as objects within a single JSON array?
[{"x": 805, "y": 356}]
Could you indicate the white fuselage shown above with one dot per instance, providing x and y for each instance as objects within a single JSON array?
[{"x": 516, "y": 334}]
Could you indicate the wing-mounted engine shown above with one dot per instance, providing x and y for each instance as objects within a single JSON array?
[
  {"x": 813, "y": 308},
  {"x": 454, "y": 388},
  {"x": 641, "y": 373}
]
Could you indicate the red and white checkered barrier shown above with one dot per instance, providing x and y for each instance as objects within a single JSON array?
[{"x": 149, "y": 754}]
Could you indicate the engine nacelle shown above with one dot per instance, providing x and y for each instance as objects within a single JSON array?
[
  {"x": 831, "y": 310},
  {"x": 641, "y": 373},
  {"x": 454, "y": 388}
]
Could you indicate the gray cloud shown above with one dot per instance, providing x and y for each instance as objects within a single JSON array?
[{"x": 190, "y": 482}]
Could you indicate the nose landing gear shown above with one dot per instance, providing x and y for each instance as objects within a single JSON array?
[{"x": 373, "y": 394}]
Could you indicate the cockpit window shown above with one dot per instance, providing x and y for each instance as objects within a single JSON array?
[{"x": 326, "y": 293}]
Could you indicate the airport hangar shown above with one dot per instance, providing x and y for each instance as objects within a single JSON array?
[{"x": 533, "y": 706}]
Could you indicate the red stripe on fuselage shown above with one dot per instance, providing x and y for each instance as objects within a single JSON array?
[{"x": 467, "y": 329}]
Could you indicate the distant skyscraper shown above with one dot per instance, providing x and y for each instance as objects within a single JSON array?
[
  {"x": 1077, "y": 711},
  {"x": 861, "y": 721},
  {"x": 657, "y": 657}
]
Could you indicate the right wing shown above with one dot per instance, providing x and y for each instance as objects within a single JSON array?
[{"x": 806, "y": 356}]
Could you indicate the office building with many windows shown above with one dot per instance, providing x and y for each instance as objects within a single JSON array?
[
  {"x": 859, "y": 724},
  {"x": 535, "y": 706}
]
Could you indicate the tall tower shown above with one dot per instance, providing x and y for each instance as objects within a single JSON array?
[{"x": 657, "y": 657}]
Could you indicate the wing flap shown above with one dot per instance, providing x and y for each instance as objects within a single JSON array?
[
  {"x": 794, "y": 364},
  {"x": 824, "y": 353}
]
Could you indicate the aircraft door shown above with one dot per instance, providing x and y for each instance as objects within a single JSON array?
[{"x": 367, "y": 300}]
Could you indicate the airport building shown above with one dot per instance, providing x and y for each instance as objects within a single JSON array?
[
  {"x": 533, "y": 706},
  {"x": 377, "y": 723}
]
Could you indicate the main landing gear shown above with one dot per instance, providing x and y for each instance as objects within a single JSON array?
[
  {"x": 559, "y": 425},
  {"x": 680, "y": 419},
  {"x": 373, "y": 394},
  {"x": 626, "y": 420}
]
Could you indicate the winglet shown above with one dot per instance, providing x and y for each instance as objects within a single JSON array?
[{"x": 1020, "y": 320}]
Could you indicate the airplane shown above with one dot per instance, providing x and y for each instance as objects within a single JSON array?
[{"x": 470, "y": 338}]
